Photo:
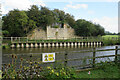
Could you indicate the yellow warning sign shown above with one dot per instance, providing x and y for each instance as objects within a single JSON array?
[{"x": 48, "y": 57}]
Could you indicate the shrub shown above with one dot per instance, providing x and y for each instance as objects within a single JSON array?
[
  {"x": 34, "y": 70},
  {"x": 55, "y": 26}
]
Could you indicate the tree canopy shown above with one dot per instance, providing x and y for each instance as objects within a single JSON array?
[
  {"x": 19, "y": 23},
  {"x": 15, "y": 22},
  {"x": 87, "y": 28}
]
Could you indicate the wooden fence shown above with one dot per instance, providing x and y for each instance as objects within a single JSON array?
[
  {"x": 116, "y": 54},
  {"x": 93, "y": 58}
]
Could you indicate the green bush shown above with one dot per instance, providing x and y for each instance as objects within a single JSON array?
[
  {"x": 59, "y": 72},
  {"x": 34, "y": 70},
  {"x": 55, "y": 26},
  {"x": 110, "y": 42}
]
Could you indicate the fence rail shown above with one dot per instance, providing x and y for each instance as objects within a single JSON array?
[
  {"x": 93, "y": 57},
  {"x": 26, "y": 39}
]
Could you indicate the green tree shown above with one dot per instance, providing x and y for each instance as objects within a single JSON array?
[
  {"x": 5, "y": 33},
  {"x": 87, "y": 28},
  {"x": 46, "y": 17},
  {"x": 14, "y": 22},
  {"x": 70, "y": 20},
  {"x": 82, "y": 28},
  {"x": 19, "y": 23},
  {"x": 60, "y": 16},
  {"x": 30, "y": 26},
  {"x": 100, "y": 30},
  {"x": 118, "y": 33},
  {"x": 34, "y": 14}
]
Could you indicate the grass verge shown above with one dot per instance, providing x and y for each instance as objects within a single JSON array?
[{"x": 105, "y": 70}]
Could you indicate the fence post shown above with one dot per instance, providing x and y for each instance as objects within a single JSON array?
[
  {"x": 75, "y": 38},
  {"x": 116, "y": 51},
  {"x": 65, "y": 59},
  {"x": 94, "y": 52},
  {"x": 19, "y": 39},
  {"x": 11, "y": 39},
  {"x": 27, "y": 39}
]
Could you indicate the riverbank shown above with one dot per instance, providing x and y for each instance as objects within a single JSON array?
[
  {"x": 60, "y": 43},
  {"x": 106, "y": 41},
  {"x": 34, "y": 71}
]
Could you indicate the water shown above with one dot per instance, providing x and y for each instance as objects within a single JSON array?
[{"x": 73, "y": 53}]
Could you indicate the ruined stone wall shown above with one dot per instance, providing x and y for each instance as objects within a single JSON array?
[
  {"x": 60, "y": 33},
  {"x": 52, "y": 33},
  {"x": 37, "y": 34}
]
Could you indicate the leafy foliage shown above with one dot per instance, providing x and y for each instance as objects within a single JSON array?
[
  {"x": 14, "y": 22},
  {"x": 34, "y": 71},
  {"x": 87, "y": 28},
  {"x": 19, "y": 23}
]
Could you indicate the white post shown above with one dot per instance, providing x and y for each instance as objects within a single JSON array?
[
  {"x": 71, "y": 43},
  {"x": 85, "y": 43},
  {"x": 45, "y": 44},
  {"x": 12, "y": 45},
  {"x": 91, "y": 43},
  {"x": 53, "y": 44},
  {"x": 97, "y": 43},
  {"x": 100, "y": 43},
  {"x": 22, "y": 45},
  {"x": 68, "y": 44},
  {"x": 27, "y": 39},
  {"x": 65, "y": 44},
  {"x": 48, "y": 44},
  {"x": 94, "y": 43},
  {"x": 40, "y": 45},
  {"x": 27, "y": 45},
  {"x": 16, "y": 38},
  {"x": 75, "y": 43},
  {"x": 56, "y": 44},
  {"x": 36, "y": 45},
  {"x": 11, "y": 39},
  {"x": 78, "y": 43},
  {"x": 60, "y": 44},
  {"x": 19, "y": 39},
  {"x": 88, "y": 43},
  {"x": 31, "y": 45},
  {"x": 82, "y": 43},
  {"x": 18, "y": 45}
]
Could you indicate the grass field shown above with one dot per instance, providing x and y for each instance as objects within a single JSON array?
[
  {"x": 110, "y": 36},
  {"x": 106, "y": 71},
  {"x": 111, "y": 39}
]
